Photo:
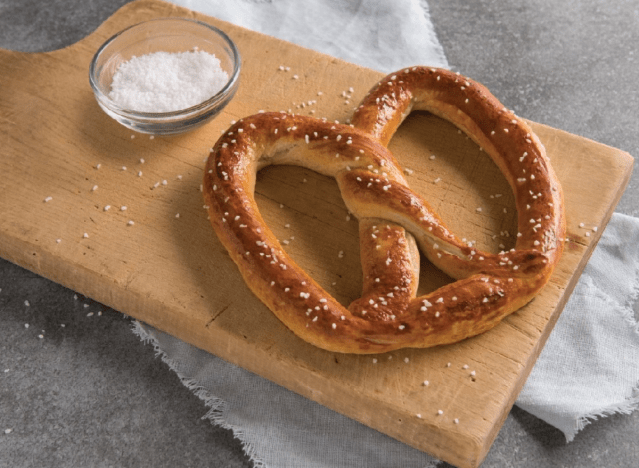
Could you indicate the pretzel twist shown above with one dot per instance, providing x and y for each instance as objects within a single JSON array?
[{"x": 394, "y": 221}]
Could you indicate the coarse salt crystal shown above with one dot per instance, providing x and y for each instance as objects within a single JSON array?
[{"x": 166, "y": 82}]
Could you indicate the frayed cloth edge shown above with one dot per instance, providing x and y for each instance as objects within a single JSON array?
[
  {"x": 627, "y": 407},
  {"x": 632, "y": 403},
  {"x": 216, "y": 405}
]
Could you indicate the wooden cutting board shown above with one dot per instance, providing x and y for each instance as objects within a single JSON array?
[{"x": 168, "y": 269}]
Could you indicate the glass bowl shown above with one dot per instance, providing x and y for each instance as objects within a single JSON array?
[{"x": 169, "y": 35}]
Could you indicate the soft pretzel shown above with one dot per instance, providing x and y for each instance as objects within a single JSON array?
[{"x": 393, "y": 219}]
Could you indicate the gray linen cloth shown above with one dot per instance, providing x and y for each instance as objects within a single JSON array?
[{"x": 588, "y": 369}]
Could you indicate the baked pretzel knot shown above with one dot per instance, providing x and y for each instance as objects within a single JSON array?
[{"x": 393, "y": 220}]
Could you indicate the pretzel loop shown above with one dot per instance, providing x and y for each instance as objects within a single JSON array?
[{"x": 394, "y": 220}]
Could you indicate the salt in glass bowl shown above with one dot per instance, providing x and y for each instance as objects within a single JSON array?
[{"x": 169, "y": 35}]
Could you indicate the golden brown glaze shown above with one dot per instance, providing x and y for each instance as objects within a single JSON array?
[{"x": 393, "y": 219}]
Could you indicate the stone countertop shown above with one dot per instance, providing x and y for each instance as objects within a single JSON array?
[{"x": 90, "y": 393}]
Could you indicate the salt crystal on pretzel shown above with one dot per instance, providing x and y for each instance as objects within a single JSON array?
[{"x": 393, "y": 220}]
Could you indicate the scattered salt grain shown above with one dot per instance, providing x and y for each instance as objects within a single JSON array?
[{"x": 166, "y": 82}]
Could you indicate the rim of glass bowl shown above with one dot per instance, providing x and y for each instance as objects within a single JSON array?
[{"x": 220, "y": 96}]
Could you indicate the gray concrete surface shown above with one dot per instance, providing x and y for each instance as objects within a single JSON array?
[{"x": 90, "y": 394}]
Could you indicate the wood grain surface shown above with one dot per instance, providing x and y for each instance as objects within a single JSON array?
[{"x": 168, "y": 269}]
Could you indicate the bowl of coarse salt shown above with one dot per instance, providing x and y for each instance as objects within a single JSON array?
[{"x": 165, "y": 76}]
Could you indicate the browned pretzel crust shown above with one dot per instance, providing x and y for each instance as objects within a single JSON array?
[{"x": 393, "y": 219}]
